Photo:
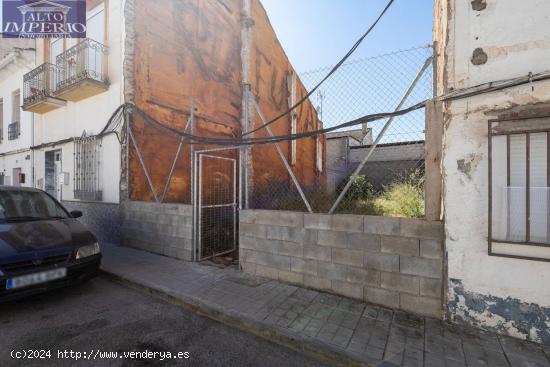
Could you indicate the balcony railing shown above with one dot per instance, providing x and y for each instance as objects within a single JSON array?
[
  {"x": 78, "y": 73},
  {"x": 84, "y": 61},
  {"x": 14, "y": 130},
  {"x": 39, "y": 83}
]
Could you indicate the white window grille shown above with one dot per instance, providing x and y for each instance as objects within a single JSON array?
[{"x": 87, "y": 180}]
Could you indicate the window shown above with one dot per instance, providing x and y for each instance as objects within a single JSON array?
[
  {"x": 16, "y": 106},
  {"x": 95, "y": 24},
  {"x": 56, "y": 48},
  {"x": 87, "y": 184},
  {"x": 14, "y": 130},
  {"x": 519, "y": 201},
  {"x": 17, "y": 206}
]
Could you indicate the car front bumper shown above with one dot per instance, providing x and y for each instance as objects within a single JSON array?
[{"x": 76, "y": 273}]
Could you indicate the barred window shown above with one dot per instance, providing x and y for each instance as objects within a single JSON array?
[
  {"x": 519, "y": 183},
  {"x": 87, "y": 180},
  {"x": 14, "y": 130}
]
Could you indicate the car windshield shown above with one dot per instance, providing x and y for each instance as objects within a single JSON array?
[{"x": 22, "y": 206}]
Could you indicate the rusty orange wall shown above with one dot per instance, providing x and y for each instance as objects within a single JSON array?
[
  {"x": 269, "y": 70},
  {"x": 183, "y": 49},
  {"x": 191, "y": 48}
]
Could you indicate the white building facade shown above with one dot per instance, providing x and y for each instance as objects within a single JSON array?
[
  {"x": 17, "y": 58},
  {"x": 496, "y": 155},
  {"x": 67, "y": 99}
]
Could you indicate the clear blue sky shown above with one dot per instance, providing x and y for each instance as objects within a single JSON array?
[{"x": 317, "y": 33}]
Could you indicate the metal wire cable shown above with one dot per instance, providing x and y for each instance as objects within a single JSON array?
[
  {"x": 127, "y": 108},
  {"x": 332, "y": 71}
]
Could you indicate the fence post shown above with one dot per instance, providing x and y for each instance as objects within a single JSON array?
[
  {"x": 178, "y": 150},
  {"x": 434, "y": 178}
]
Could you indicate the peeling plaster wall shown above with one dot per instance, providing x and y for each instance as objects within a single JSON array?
[{"x": 510, "y": 296}]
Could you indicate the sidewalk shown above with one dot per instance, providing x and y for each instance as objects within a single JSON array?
[{"x": 329, "y": 327}]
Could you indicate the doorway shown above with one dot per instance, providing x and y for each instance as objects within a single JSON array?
[
  {"x": 215, "y": 203},
  {"x": 16, "y": 174},
  {"x": 52, "y": 184}
]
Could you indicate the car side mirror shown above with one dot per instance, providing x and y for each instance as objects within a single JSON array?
[{"x": 76, "y": 213}]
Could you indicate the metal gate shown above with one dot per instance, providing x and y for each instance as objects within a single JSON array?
[{"x": 215, "y": 203}]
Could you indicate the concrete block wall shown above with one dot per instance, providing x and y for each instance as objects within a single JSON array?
[
  {"x": 164, "y": 229},
  {"x": 99, "y": 217},
  {"x": 394, "y": 262}
]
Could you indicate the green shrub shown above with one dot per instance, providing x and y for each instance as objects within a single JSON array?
[
  {"x": 403, "y": 199},
  {"x": 361, "y": 188}
]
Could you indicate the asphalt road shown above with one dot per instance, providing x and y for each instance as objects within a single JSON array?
[{"x": 108, "y": 317}]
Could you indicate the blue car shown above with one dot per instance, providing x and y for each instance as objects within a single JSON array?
[{"x": 42, "y": 245}]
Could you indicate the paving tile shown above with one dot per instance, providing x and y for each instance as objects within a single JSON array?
[
  {"x": 478, "y": 356},
  {"x": 524, "y": 361},
  {"x": 342, "y": 337},
  {"x": 350, "y": 320},
  {"x": 300, "y": 323},
  {"x": 337, "y": 316},
  {"x": 313, "y": 327},
  {"x": 351, "y": 305},
  {"x": 437, "y": 360},
  {"x": 327, "y": 299},
  {"x": 307, "y": 295},
  {"x": 408, "y": 320}
]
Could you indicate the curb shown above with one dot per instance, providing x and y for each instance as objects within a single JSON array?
[{"x": 318, "y": 350}]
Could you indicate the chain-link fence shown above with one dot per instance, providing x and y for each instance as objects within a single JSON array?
[
  {"x": 391, "y": 180},
  {"x": 374, "y": 167}
]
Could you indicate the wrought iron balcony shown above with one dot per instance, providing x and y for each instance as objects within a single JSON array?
[
  {"x": 39, "y": 89},
  {"x": 82, "y": 71},
  {"x": 14, "y": 130}
]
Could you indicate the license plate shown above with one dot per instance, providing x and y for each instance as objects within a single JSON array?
[{"x": 36, "y": 278}]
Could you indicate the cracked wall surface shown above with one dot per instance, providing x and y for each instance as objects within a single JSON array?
[
  {"x": 504, "y": 315},
  {"x": 510, "y": 296}
]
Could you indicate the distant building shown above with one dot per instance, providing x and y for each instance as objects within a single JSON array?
[{"x": 390, "y": 162}]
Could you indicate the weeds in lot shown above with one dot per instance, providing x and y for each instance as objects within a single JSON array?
[{"x": 403, "y": 198}]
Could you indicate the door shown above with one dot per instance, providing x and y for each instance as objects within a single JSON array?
[
  {"x": 216, "y": 209},
  {"x": 16, "y": 176},
  {"x": 53, "y": 170}
]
